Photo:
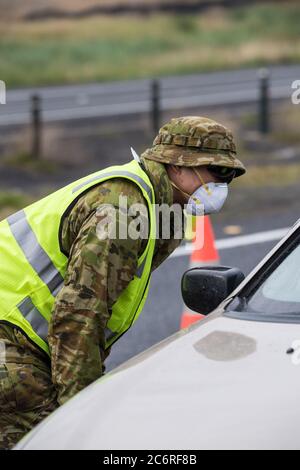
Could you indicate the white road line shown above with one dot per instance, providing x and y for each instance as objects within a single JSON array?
[{"x": 234, "y": 242}]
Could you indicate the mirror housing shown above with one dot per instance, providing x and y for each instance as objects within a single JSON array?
[{"x": 205, "y": 288}]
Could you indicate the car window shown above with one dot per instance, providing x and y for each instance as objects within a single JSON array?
[
  {"x": 284, "y": 283},
  {"x": 277, "y": 295}
]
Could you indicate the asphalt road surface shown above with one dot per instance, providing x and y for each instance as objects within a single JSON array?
[
  {"x": 69, "y": 103},
  {"x": 162, "y": 312}
]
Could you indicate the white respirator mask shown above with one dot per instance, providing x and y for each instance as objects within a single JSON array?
[{"x": 207, "y": 199}]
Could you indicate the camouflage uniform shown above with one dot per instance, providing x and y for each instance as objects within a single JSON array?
[
  {"x": 27, "y": 394},
  {"x": 31, "y": 385},
  {"x": 98, "y": 271}
]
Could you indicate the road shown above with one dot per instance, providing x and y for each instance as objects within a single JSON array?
[
  {"x": 76, "y": 102},
  {"x": 164, "y": 307}
]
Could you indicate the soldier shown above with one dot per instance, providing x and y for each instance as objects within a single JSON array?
[{"x": 67, "y": 294}]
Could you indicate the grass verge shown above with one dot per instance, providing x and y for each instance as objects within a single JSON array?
[
  {"x": 112, "y": 48},
  {"x": 270, "y": 176}
]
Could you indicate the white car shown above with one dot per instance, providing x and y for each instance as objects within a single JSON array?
[{"x": 231, "y": 381}]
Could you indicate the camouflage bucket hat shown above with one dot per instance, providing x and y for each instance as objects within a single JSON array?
[{"x": 195, "y": 141}]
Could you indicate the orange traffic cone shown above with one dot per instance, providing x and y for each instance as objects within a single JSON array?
[
  {"x": 204, "y": 249},
  {"x": 188, "y": 318},
  {"x": 204, "y": 253}
]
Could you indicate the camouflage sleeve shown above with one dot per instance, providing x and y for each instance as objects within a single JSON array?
[
  {"x": 165, "y": 247},
  {"x": 98, "y": 271}
]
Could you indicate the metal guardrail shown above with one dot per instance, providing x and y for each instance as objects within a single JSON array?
[{"x": 153, "y": 97}]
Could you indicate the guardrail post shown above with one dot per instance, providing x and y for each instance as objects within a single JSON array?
[
  {"x": 264, "y": 101},
  {"x": 155, "y": 108},
  {"x": 36, "y": 122}
]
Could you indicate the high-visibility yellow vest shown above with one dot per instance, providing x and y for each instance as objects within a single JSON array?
[{"x": 33, "y": 265}]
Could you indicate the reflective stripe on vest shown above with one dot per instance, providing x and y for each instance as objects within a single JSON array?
[
  {"x": 118, "y": 173},
  {"x": 34, "y": 317},
  {"x": 36, "y": 256}
]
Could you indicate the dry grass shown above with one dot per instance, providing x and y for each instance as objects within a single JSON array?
[
  {"x": 17, "y": 9},
  {"x": 269, "y": 176},
  {"x": 108, "y": 48},
  {"x": 286, "y": 120}
]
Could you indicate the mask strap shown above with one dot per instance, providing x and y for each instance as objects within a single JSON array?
[
  {"x": 209, "y": 192},
  {"x": 203, "y": 183},
  {"x": 197, "y": 201},
  {"x": 181, "y": 190}
]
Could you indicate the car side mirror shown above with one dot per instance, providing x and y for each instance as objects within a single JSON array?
[{"x": 204, "y": 288}]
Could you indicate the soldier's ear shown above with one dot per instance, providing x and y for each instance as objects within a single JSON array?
[
  {"x": 171, "y": 169},
  {"x": 174, "y": 172},
  {"x": 176, "y": 169}
]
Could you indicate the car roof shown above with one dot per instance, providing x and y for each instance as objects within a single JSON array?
[{"x": 224, "y": 383}]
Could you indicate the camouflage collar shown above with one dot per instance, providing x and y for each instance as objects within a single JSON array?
[{"x": 160, "y": 181}]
